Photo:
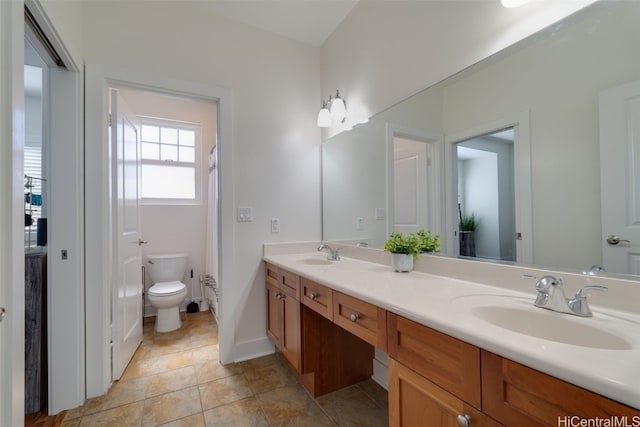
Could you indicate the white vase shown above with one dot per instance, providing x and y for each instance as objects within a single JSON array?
[{"x": 402, "y": 262}]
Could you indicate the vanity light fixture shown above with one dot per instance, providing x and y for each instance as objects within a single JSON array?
[
  {"x": 510, "y": 4},
  {"x": 324, "y": 116},
  {"x": 334, "y": 109}
]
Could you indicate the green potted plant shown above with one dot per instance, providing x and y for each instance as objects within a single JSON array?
[
  {"x": 404, "y": 249},
  {"x": 468, "y": 225},
  {"x": 428, "y": 243}
]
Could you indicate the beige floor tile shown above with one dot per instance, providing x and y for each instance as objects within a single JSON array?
[
  {"x": 246, "y": 413},
  {"x": 195, "y": 420},
  {"x": 223, "y": 391},
  {"x": 261, "y": 362},
  {"x": 212, "y": 370},
  {"x": 127, "y": 415},
  {"x": 75, "y": 422},
  {"x": 171, "y": 406},
  {"x": 199, "y": 341},
  {"x": 156, "y": 365},
  {"x": 121, "y": 393},
  {"x": 292, "y": 406},
  {"x": 169, "y": 381},
  {"x": 269, "y": 377},
  {"x": 376, "y": 392},
  {"x": 352, "y": 407},
  {"x": 206, "y": 353}
]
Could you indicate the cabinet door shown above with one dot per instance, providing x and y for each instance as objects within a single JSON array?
[
  {"x": 520, "y": 396},
  {"x": 415, "y": 401},
  {"x": 274, "y": 317},
  {"x": 290, "y": 338}
]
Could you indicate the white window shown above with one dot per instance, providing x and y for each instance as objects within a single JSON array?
[{"x": 170, "y": 171}]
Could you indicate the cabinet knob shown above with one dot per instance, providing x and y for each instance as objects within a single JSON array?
[
  {"x": 313, "y": 296},
  {"x": 275, "y": 294},
  {"x": 464, "y": 420},
  {"x": 354, "y": 317}
]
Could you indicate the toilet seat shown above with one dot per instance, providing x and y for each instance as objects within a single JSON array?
[{"x": 165, "y": 289}]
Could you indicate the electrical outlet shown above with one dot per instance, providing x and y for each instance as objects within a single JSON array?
[
  {"x": 275, "y": 225},
  {"x": 359, "y": 223}
]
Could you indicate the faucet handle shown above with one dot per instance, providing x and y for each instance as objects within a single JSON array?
[
  {"x": 578, "y": 304},
  {"x": 545, "y": 283},
  {"x": 582, "y": 292}
]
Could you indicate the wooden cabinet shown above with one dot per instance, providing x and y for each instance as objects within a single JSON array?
[
  {"x": 446, "y": 361},
  {"x": 520, "y": 396},
  {"x": 414, "y": 401},
  {"x": 362, "y": 319},
  {"x": 435, "y": 377},
  {"x": 283, "y": 314}
]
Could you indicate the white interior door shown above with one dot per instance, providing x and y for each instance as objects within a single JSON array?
[
  {"x": 410, "y": 212},
  {"x": 620, "y": 178},
  {"x": 127, "y": 298}
]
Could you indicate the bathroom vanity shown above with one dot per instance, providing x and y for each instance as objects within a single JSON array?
[{"x": 446, "y": 364}]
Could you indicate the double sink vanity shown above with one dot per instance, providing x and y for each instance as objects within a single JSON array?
[{"x": 466, "y": 344}]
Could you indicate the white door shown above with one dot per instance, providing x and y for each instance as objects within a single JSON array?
[
  {"x": 410, "y": 211},
  {"x": 127, "y": 298},
  {"x": 620, "y": 178}
]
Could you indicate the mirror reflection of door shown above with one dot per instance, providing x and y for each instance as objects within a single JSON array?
[
  {"x": 486, "y": 196},
  {"x": 410, "y": 185},
  {"x": 415, "y": 196}
]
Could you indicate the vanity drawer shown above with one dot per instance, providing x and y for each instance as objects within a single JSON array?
[
  {"x": 517, "y": 395},
  {"x": 290, "y": 284},
  {"x": 448, "y": 362},
  {"x": 362, "y": 319},
  {"x": 317, "y": 297},
  {"x": 284, "y": 280},
  {"x": 272, "y": 275}
]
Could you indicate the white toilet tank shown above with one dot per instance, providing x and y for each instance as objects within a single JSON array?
[{"x": 166, "y": 267}]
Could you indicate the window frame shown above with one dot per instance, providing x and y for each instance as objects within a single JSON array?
[{"x": 197, "y": 163}]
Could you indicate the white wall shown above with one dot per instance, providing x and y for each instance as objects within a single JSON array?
[
  {"x": 275, "y": 85},
  {"x": 385, "y": 51},
  {"x": 178, "y": 228}
]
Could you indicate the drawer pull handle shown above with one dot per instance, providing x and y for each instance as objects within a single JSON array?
[
  {"x": 354, "y": 317},
  {"x": 275, "y": 294},
  {"x": 313, "y": 296},
  {"x": 464, "y": 420}
]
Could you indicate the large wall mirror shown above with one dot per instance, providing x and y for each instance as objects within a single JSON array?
[{"x": 552, "y": 123}]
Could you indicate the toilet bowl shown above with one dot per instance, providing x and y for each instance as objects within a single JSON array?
[{"x": 166, "y": 271}]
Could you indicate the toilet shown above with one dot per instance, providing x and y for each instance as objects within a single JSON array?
[{"x": 166, "y": 272}]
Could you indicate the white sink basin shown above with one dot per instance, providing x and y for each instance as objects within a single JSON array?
[
  {"x": 549, "y": 325},
  {"x": 315, "y": 261}
]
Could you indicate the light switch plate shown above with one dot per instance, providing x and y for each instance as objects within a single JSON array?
[
  {"x": 359, "y": 223},
  {"x": 275, "y": 225},
  {"x": 244, "y": 214},
  {"x": 379, "y": 214}
]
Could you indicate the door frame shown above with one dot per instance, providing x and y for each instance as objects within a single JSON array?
[
  {"x": 66, "y": 306},
  {"x": 11, "y": 223},
  {"x": 99, "y": 213},
  {"x": 522, "y": 181}
]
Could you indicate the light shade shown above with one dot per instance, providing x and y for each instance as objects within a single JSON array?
[
  {"x": 513, "y": 3},
  {"x": 324, "y": 117},
  {"x": 338, "y": 109}
]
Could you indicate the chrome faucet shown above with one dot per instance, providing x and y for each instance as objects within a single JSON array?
[
  {"x": 595, "y": 270},
  {"x": 333, "y": 254},
  {"x": 551, "y": 296}
]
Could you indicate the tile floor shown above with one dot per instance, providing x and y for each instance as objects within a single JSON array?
[{"x": 175, "y": 380}]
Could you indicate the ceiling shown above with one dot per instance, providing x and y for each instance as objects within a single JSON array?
[{"x": 308, "y": 21}]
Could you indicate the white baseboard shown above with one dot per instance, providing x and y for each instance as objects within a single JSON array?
[
  {"x": 251, "y": 349},
  {"x": 380, "y": 368}
]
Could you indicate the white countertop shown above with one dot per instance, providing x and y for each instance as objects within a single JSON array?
[{"x": 446, "y": 305}]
